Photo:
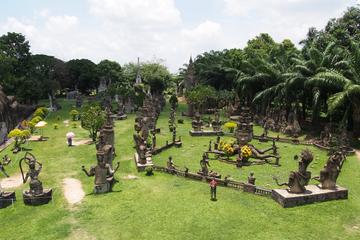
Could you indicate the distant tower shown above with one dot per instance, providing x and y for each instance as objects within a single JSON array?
[{"x": 138, "y": 76}]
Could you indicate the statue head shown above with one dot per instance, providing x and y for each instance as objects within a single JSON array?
[{"x": 306, "y": 158}]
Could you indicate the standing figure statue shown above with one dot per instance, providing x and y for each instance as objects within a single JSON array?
[
  {"x": 299, "y": 179},
  {"x": 204, "y": 164},
  {"x": 104, "y": 176},
  {"x": 36, "y": 195}
]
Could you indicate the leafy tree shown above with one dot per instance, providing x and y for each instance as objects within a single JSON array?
[
  {"x": 200, "y": 95},
  {"x": 92, "y": 119},
  {"x": 83, "y": 74}
]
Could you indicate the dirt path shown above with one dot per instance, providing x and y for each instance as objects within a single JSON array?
[
  {"x": 82, "y": 142},
  {"x": 12, "y": 182},
  {"x": 73, "y": 190},
  {"x": 358, "y": 154}
]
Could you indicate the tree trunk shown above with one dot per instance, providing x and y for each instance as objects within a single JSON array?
[{"x": 356, "y": 120}]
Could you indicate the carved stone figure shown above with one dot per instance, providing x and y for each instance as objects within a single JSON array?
[
  {"x": 216, "y": 123},
  {"x": 197, "y": 123},
  {"x": 36, "y": 195},
  {"x": 204, "y": 164},
  {"x": 299, "y": 179},
  {"x": 104, "y": 176},
  {"x": 6, "y": 198},
  {"x": 251, "y": 178},
  {"x": 331, "y": 171}
]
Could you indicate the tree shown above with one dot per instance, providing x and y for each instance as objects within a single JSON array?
[
  {"x": 83, "y": 75},
  {"x": 92, "y": 119},
  {"x": 200, "y": 95}
]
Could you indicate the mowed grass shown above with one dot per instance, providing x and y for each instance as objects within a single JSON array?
[{"x": 169, "y": 207}]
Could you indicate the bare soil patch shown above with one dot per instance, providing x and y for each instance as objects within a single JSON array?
[
  {"x": 11, "y": 182},
  {"x": 73, "y": 190}
]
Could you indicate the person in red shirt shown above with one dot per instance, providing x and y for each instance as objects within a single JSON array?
[{"x": 213, "y": 184}]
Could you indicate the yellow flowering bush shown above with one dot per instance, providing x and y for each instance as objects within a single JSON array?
[
  {"x": 246, "y": 151},
  {"x": 227, "y": 148}
]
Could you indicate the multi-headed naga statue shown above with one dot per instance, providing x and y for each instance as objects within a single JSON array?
[{"x": 299, "y": 179}]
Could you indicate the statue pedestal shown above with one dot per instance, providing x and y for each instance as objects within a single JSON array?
[
  {"x": 312, "y": 194},
  {"x": 119, "y": 117},
  {"x": 141, "y": 167},
  {"x": 205, "y": 133},
  {"x": 6, "y": 199},
  {"x": 35, "y": 200}
]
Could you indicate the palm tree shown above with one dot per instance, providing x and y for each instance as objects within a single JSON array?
[{"x": 344, "y": 87}]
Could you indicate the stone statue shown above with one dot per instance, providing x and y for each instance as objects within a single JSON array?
[
  {"x": 197, "y": 123},
  {"x": 216, "y": 123},
  {"x": 299, "y": 179},
  {"x": 331, "y": 171},
  {"x": 6, "y": 198},
  {"x": 36, "y": 195},
  {"x": 204, "y": 164},
  {"x": 251, "y": 178},
  {"x": 104, "y": 176},
  {"x": 170, "y": 164}
]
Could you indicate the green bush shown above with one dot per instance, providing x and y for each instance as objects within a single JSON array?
[
  {"x": 231, "y": 126},
  {"x": 56, "y": 126},
  {"x": 36, "y": 119},
  {"x": 74, "y": 114},
  {"x": 41, "y": 112},
  {"x": 74, "y": 125}
]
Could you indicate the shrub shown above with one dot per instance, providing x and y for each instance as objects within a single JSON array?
[
  {"x": 36, "y": 119},
  {"x": 74, "y": 125},
  {"x": 149, "y": 171},
  {"x": 58, "y": 117},
  {"x": 230, "y": 125},
  {"x": 181, "y": 121},
  {"x": 41, "y": 112},
  {"x": 74, "y": 114},
  {"x": 56, "y": 126},
  {"x": 20, "y": 136},
  {"x": 246, "y": 151}
]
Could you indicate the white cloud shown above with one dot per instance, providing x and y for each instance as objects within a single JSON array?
[
  {"x": 14, "y": 25},
  {"x": 61, "y": 23}
]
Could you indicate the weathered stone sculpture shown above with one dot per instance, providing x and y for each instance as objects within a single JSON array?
[
  {"x": 6, "y": 198},
  {"x": 197, "y": 123},
  {"x": 216, "y": 123},
  {"x": 104, "y": 176},
  {"x": 331, "y": 171},
  {"x": 299, "y": 179},
  {"x": 251, "y": 178},
  {"x": 244, "y": 131},
  {"x": 36, "y": 195}
]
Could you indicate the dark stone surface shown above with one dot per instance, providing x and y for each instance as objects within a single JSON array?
[
  {"x": 312, "y": 194},
  {"x": 36, "y": 200},
  {"x": 6, "y": 199}
]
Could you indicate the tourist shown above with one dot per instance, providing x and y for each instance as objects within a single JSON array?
[{"x": 213, "y": 184}]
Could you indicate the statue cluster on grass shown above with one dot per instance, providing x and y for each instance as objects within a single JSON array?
[{"x": 103, "y": 171}]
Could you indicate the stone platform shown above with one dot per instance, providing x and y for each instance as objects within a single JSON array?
[
  {"x": 206, "y": 133},
  {"x": 36, "y": 200},
  {"x": 119, "y": 117},
  {"x": 313, "y": 194},
  {"x": 6, "y": 199},
  {"x": 141, "y": 167}
]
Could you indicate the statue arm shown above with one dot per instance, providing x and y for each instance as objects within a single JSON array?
[
  {"x": 117, "y": 167},
  {"x": 86, "y": 172},
  {"x": 26, "y": 178}
]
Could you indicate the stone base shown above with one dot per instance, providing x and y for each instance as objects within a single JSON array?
[
  {"x": 104, "y": 188},
  {"x": 141, "y": 167},
  {"x": 206, "y": 133},
  {"x": 313, "y": 194},
  {"x": 177, "y": 144},
  {"x": 119, "y": 117},
  {"x": 6, "y": 199},
  {"x": 35, "y": 200}
]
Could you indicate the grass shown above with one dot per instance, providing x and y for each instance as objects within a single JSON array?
[{"x": 168, "y": 207}]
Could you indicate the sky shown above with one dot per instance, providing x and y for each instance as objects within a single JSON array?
[{"x": 169, "y": 31}]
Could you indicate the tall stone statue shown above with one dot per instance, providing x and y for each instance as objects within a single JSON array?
[
  {"x": 36, "y": 195},
  {"x": 299, "y": 179},
  {"x": 104, "y": 176},
  {"x": 331, "y": 171}
]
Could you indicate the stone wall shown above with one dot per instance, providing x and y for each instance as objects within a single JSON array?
[{"x": 11, "y": 113}]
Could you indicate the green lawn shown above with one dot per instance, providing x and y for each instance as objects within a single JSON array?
[{"x": 169, "y": 207}]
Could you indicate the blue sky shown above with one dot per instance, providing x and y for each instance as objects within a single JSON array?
[{"x": 166, "y": 30}]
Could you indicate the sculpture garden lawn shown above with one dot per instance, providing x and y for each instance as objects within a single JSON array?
[{"x": 168, "y": 207}]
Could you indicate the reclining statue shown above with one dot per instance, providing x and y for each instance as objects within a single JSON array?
[{"x": 299, "y": 179}]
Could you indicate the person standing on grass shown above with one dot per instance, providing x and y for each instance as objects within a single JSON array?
[{"x": 213, "y": 185}]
